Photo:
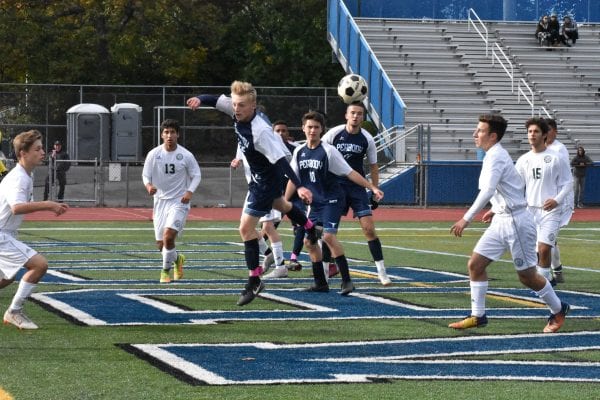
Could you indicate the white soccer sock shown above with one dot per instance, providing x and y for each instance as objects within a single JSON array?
[
  {"x": 550, "y": 298},
  {"x": 380, "y": 265},
  {"x": 555, "y": 256},
  {"x": 546, "y": 272},
  {"x": 262, "y": 245},
  {"x": 23, "y": 292},
  {"x": 168, "y": 257},
  {"x": 277, "y": 252},
  {"x": 478, "y": 291}
]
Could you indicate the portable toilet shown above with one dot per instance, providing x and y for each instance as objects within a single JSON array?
[
  {"x": 88, "y": 132},
  {"x": 126, "y": 144}
]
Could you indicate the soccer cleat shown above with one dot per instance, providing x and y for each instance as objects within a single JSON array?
[
  {"x": 317, "y": 288},
  {"x": 555, "y": 321},
  {"x": 347, "y": 288},
  {"x": 278, "y": 272},
  {"x": 470, "y": 322},
  {"x": 558, "y": 274},
  {"x": 332, "y": 270},
  {"x": 250, "y": 292},
  {"x": 383, "y": 277},
  {"x": 19, "y": 319},
  {"x": 268, "y": 262},
  {"x": 164, "y": 276},
  {"x": 294, "y": 265},
  {"x": 178, "y": 267},
  {"x": 558, "y": 277}
]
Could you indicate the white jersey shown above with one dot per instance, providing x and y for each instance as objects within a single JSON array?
[
  {"x": 499, "y": 183},
  {"x": 546, "y": 176},
  {"x": 171, "y": 172},
  {"x": 569, "y": 205},
  {"x": 15, "y": 188}
]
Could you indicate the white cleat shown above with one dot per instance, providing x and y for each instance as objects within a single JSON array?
[
  {"x": 277, "y": 273},
  {"x": 19, "y": 319},
  {"x": 383, "y": 277},
  {"x": 268, "y": 262}
]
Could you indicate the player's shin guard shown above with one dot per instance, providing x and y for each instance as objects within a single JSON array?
[
  {"x": 298, "y": 240},
  {"x": 319, "y": 273},
  {"x": 326, "y": 252},
  {"x": 375, "y": 249},
  {"x": 251, "y": 253},
  {"x": 342, "y": 264}
]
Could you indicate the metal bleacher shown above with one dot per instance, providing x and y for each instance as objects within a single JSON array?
[{"x": 445, "y": 75}]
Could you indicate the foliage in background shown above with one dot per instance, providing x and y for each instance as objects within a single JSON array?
[{"x": 166, "y": 42}]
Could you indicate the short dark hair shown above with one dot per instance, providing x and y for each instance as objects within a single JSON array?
[
  {"x": 539, "y": 122},
  {"x": 357, "y": 103},
  {"x": 551, "y": 123},
  {"x": 280, "y": 122},
  {"x": 496, "y": 122},
  {"x": 169, "y": 123},
  {"x": 314, "y": 115}
]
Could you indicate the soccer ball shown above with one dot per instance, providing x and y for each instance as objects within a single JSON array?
[{"x": 352, "y": 88}]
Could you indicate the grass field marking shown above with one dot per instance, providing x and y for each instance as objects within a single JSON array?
[
  {"x": 370, "y": 361},
  {"x": 511, "y": 299},
  {"x": 68, "y": 310},
  {"x": 171, "y": 361},
  {"x": 64, "y": 276},
  {"x": 296, "y": 303},
  {"x": 5, "y": 395},
  {"x": 389, "y": 302}
]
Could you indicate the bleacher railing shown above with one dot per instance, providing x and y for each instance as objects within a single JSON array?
[
  {"x": 483, "y": 32},
  {"x": 523, "y": 88},
  {"x": 385, "y": 105},
  {"x": 505, "y": 63}
]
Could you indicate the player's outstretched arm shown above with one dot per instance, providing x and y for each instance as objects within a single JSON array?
[{"x": 34, "y": 206}]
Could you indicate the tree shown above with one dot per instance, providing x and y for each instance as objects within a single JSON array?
[{"x": 176, "y": 42}]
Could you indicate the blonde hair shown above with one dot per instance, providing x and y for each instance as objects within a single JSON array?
[
  {"x": 240, "y": 88},
  {"x": 24, "y": 140}
]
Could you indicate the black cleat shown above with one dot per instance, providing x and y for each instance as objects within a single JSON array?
[
  {"x": 249, "y": 293},
  {"x": 347, "y": 288},
  {"x": 317, "y": 288}
]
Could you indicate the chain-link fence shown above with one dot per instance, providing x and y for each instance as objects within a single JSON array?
[{"x": 206, "y": 133}]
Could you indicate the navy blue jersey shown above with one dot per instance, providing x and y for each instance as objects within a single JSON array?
[
  {"x": 256, "y": 140},
  {"x": 354, "y": 147},
  {"x": 318, "y": 169}
]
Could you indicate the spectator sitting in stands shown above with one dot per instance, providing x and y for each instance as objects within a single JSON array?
[
  {"x": 542, "y": 31},
  {"x": 568, "y": 31},
  {"x": 554, "y": 29}
]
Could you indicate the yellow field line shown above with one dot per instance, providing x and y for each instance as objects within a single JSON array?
[
  {"x": 363, "y": 274},
  {"x": 4, "y": 395},
  {"x": 516, "y": 301},
  {"x": 421, "y": 284}
]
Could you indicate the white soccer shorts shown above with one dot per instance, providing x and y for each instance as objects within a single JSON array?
[
  {"x": 171, "y": 213},
  {"x": 274, "y": 216},
  {"x": 13, "y": 255},
  {"x": 515, "y": 233},
  {"x": 547, "y": 224}
]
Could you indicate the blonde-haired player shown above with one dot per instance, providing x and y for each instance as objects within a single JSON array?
[{"x": 269, "y": 167}]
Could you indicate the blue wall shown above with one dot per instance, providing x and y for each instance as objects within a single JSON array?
[
  {"x": 455, "y": 183},
  {"x": 509, "y": 10}
]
